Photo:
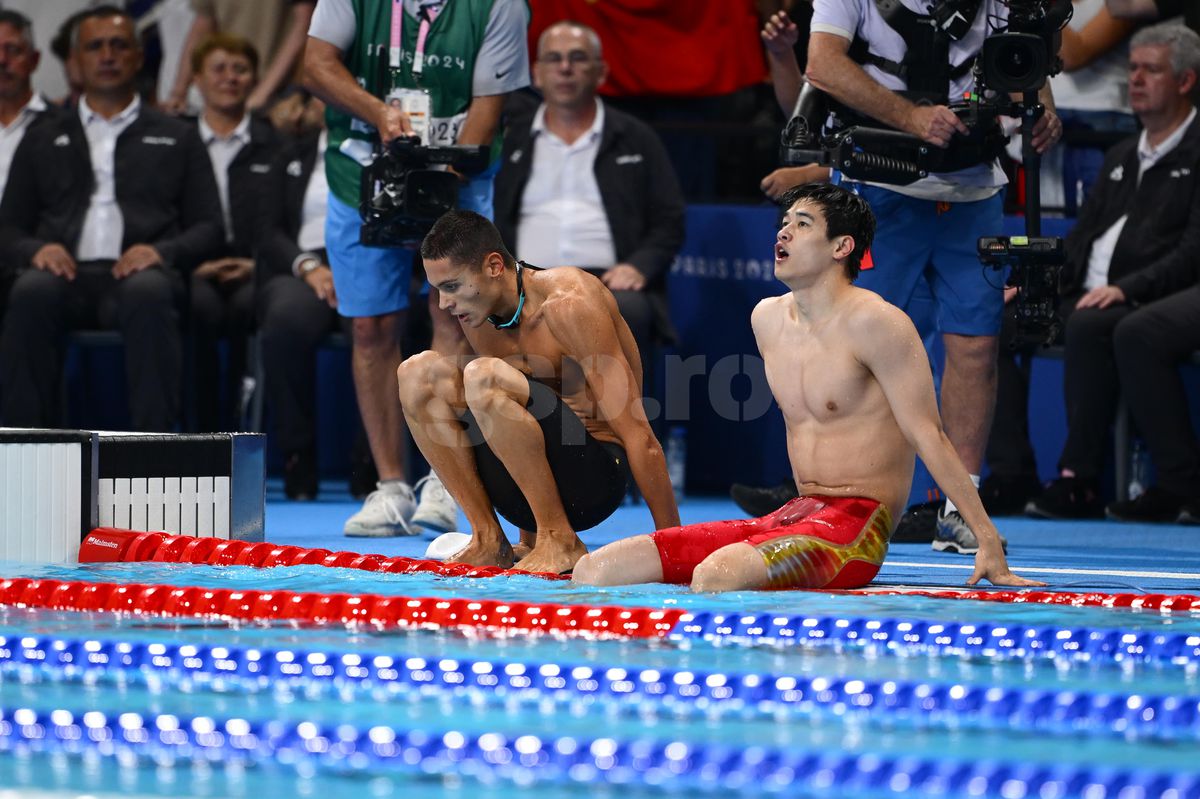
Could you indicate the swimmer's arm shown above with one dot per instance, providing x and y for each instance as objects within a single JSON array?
[
  {"x": 888, "y": 345},
  {"x": 587, "y": 334}
]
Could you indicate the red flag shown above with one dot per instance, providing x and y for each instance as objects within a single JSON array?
[{"x": 666, "y": 47}]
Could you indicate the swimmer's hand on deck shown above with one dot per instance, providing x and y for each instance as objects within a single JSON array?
[{"x": 993, "y": 567}]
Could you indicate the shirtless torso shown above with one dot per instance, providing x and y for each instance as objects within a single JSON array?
[
  {"x": 832, "y": 403},
  {"x": 545, "y": 346}
]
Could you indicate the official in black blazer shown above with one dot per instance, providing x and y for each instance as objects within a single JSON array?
[
  {"x": 242, "y": 149},
  {"x": 105, "y": 211},
  {"x": 296, "y": 302}
]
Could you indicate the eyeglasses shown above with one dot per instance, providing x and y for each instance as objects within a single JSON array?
[{"x": 574, "y": 58}]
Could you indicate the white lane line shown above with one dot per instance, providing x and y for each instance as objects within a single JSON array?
[{"x": 1049, "y": 570}]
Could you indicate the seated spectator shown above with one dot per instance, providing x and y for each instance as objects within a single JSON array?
[
  {"x": 296, "y": 304},
  {"x": 1135, "y": 247},
  {"x": 105, "y": 210},
  {"x": 583, "y": 184},
  {"x": 241, "y": 148},
  {"x": 276, "y": 28},
  {"x": 20, "y": 107}
]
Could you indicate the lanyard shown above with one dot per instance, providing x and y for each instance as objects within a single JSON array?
[{"x": 427, "y": 15}]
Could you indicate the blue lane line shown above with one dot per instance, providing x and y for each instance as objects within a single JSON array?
[
  {"x": 903, "y": 636},
  {"x": 645, "y": 691},
  {"x": 676, "y": 766}
]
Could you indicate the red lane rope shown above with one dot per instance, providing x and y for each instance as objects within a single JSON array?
[
  {"x": 107, "y": 544},
  {"x": 339, "y": 608}
]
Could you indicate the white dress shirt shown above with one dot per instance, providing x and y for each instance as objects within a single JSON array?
[
  {"x": 1103, "y": 247},
  {"x": 312, "y": 212},
  {"x": 103, "y": 226},
  {"x": 12, "y": 133},
  {"x": 221, "y": 151},
  {"x": 562, "y": 220}
]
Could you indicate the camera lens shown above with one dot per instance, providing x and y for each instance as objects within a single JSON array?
[{"x": 1016, "y": 61}]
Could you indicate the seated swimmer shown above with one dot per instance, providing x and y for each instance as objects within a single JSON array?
[
  {"x": 540, "y": 415},
  {"x": 851, "y": 377}
]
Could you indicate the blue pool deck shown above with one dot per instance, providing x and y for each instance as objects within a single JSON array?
[{"x": 1075, "y": 556}]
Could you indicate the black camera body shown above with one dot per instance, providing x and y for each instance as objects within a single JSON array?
[
  {"x": 402, "y": 195},
  {"x": 1022, "y": 57},
  {"x": 1035, "y": 265}
]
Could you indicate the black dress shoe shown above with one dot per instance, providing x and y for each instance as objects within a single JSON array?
[
  {"x": 1007, "y": 495},
  {"x": 300, "y": 476},
  {"x": 1067, "y": 498},
  {"x": 918, "y": 525},
  {"x": 757, "y": 501},
  {"x": 1154, "y": 505}
]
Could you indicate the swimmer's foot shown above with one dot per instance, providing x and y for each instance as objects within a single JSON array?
[
  {"x": 553, "y": 558},
  {"x": 477, "y": 554},
  {"x": 520, "y": 551}
]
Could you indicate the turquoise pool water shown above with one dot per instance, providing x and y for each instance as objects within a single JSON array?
[{"x": 831, "y": 730}]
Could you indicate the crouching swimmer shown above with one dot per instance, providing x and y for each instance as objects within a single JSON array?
[
  {"x": 540, "y": 416},
  {"x": 852, "y": 379}
]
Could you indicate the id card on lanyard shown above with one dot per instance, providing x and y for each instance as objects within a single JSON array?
[{"x": 416, "y": 103}]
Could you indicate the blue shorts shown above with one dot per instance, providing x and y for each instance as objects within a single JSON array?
[
  {"x": 373, "y": 281},
  {"x": 914, "y": 243}
]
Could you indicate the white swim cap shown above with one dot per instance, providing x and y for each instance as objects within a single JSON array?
[{"x": 446, "y": 545}]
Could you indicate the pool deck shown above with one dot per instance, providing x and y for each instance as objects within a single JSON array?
[{"x": 1074, "y": 556}]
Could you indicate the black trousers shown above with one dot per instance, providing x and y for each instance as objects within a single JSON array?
[
  {"x": 291, "y": 324},
  {"x": 1110, "y": 352},
  {"x": 1149, "y": 344},
  {"x": 144, "y": 307},
  {"x": 219, "y": 311}
]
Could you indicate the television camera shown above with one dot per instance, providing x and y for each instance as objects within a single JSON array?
[
  {"x": 403, "y": 192},
  {"x": 1017, "y": 58}
]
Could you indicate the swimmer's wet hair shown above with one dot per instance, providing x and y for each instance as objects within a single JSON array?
[
  {"x": 846, "y": 214},
  {"x": 465, "y": 238}
]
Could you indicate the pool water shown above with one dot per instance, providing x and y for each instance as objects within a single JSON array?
[{"x": 1086, "y": 755}]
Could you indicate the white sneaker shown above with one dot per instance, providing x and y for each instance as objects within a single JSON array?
[
  {"x": 386, "y": 512},
  {"x": 437, "y": 511}
]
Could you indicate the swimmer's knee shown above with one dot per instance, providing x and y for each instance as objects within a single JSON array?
[
  {"x": 483, "y": 382},
  {"x": 737, "y": 567},
  {"x": 425, "y": 375}
]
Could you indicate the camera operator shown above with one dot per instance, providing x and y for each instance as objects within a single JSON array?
[
  {"x": 928, "y": 229},
  {"x": 1131, "y": 299},
  {"x": 453, "y": 64}
]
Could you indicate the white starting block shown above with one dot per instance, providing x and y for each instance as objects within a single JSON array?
[{"x": 56, "y": 486}]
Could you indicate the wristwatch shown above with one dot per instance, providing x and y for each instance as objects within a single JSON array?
[{"x": 307, "y": 266}]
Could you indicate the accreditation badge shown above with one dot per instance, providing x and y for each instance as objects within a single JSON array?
[{"x": 418, "y": 105}]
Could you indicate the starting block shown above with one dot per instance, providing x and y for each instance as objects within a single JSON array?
[{"x": 56, "y": 486}]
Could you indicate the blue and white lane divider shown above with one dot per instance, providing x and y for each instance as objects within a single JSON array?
[
  {"x": 677, "y": 766},
  {"x": 644, "y": 691},
  {"x": 909, "y": 636}
]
